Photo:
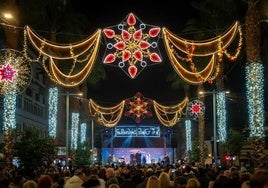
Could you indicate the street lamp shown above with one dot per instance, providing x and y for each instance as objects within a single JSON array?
[
  {"x": 214, "y": 92},
  {"x": 67, "y": 94}
]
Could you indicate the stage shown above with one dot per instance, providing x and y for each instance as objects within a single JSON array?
[{"x": 125, "y": 155}]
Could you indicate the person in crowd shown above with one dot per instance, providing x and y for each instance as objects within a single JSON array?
[
  {"x": 113, "y": 185},
  {"x": 17, "y": 182},
  {"x": 148, "y": 174},
  {"x": 245, "y": 184},
  {"x": 180, "y": 182},
  {"x": 193, "y": 183},
  {"x": 164, "y": 179},
  {"x": 259, "y": 179},
  {"x": 223, "y": 180},
  {"x": 30, "y": 184},
  {"x": 76, "y": 180},
  {"x": 153, "y": 182},
  {"x": 91, "y": 183},
  {"x": 234, "y": 177},
  {"x": 111, "y": 178},
  {"x": 45, "y": 181},
  {"x": 94, "y": 173}
]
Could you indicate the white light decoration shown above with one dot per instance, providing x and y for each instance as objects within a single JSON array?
[
  {"x": 221, "y": 115},
  {"x": 52, "y": 111},
  {"x": 10, "y": 110},
  {"x": 255, "y": 92},
  {"x": 188, "y": 135},
  {"x": 83, "y": 130},
  {"x": 75, "y": 122}
]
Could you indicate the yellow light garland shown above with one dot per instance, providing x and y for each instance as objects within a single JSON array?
[
  {"x": 215, "y": 48},
  {"x": 61, "y": 51},
  {"x": 66, "y": 51},
  {"x": 164, "y": 113},
  {"x": 103, "y": 113}
]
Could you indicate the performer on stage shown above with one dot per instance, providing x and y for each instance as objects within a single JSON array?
[
  {"x": 132, "y": 159},
  {"x": 138, "y": 157},
  {"x": 166, "y": 159},
  {"x": 148, "y": 158}
]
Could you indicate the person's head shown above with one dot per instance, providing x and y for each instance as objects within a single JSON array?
[
  {"x": 30, "y": 184},
  {"x": 180, "y": 182},
  {"x": 113, "y": 185},
  {"x": 153, "y": 182},
  {"x": 45, "y": 181},
  {"x": 91, "y": 183},
  {"x": 259, "y": 179},
  {"x": 109, "y": 172},
  {"x": 80, "y": 174},
  {"x": 164, "y": 179},
  {"x": 192, "y": 183}
]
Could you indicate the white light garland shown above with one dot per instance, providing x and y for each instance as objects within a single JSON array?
[
  {"x": 83, "y": 129},
  {"x": 52, "y": 111},
  {"x": 75, "y": 122},
  {"x": 188, "y": 130},
  {"x": 10, "y": 110},
  {"x": 221, "y": 115},
  {"x": 255, "y": 93}
]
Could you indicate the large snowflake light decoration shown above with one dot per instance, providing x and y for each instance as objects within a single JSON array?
[
  {"x": 196, "y": 108},
  {"x": 138, "y": 107},
  {"x": 132, "y": 45},
  {"x": 15, "y": 72}
]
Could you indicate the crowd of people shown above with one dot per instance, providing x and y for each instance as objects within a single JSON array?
[{"x": 138, "y": 176}]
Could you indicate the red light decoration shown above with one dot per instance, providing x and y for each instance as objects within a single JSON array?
[
  {"x": 138, "y": 107},
  {"x": 7, "y": 73},
  {"x": 196, "y": 108},
  {"x": 15, "y": 72},
  {"x": 132, "y": 45}
]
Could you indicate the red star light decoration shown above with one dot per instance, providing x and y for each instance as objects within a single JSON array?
[
  {"x": 7, "y": 73},
  {"x": 132, "y": 45},
  {"x": 15, "y": 72},
  {"x": 138, "y": 107},
  {"x": 196, "y": 108}
]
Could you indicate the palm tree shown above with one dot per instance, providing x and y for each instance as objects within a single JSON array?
[
  {"x": 254, "y": 78},
  {"x": 214, "y": 17}
]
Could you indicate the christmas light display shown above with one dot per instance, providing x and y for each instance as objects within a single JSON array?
[
  {"x": 138, "y": 107},
  {"x": 82, "y": 54},
  {"x": 74, "y": 133},
  {"x": 9, "y": 114},
  {"x": 83, "y": 132},
  {"x": 15, "y": 72},
  {"x": 255, "y": 86},
  {"x": 188, "y": 130},
  {"x": 110, "y": 116},
  {"x": 182, "y": 53},
  {"x": 221, "y": 115},
  {"x": 196, "y": 108},
  {"x": 53, "y": 111},
  {"x": 132, "y": 45}
]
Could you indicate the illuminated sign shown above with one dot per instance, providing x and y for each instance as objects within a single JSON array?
[{"x": 139, "y": 131}]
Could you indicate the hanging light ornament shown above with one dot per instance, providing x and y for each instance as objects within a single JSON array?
[
  {"x": 132, "y": 45},
  {"x": 196, "y": 108},
  {"x": 138, "y": 107}
]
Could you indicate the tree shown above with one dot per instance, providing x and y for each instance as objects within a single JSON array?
[
  {"x": 83, "y": 154},
  {"x": 233, "y": 145},
  {"x": 34, "y": 149}
]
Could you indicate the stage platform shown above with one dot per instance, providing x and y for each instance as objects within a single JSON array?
[{"x": 123, "y": 155}]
